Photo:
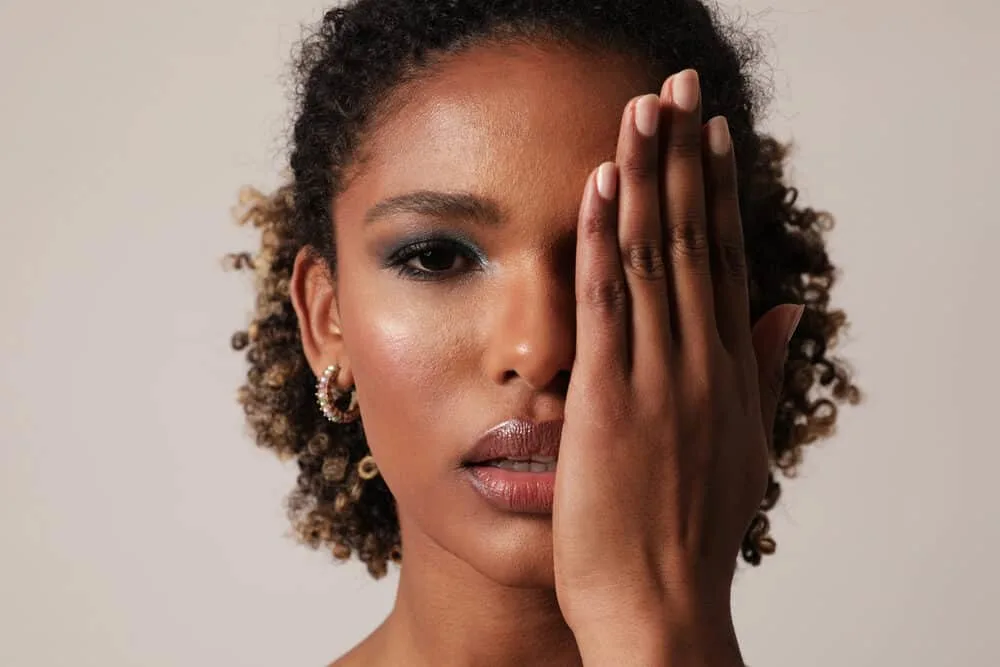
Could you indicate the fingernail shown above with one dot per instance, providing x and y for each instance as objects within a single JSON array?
[
  {"x": 607, "y": 181},
  {"x": 647, "y": 115},
  {"x": 685, "y": 90},
  {"x": 667, "y": 87},
  {"x": 718, "y": 135},
  {"x": 794, "y": 324}
]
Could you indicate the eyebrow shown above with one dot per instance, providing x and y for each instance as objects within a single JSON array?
[{"x": 454, "y": 205}]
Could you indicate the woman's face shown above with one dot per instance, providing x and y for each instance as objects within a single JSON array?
[{"x": 483, "y": 330}]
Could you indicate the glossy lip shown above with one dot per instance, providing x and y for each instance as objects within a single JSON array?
[
  {"x": 517, "y": 438},
  {"x": 509, "y": 490}
]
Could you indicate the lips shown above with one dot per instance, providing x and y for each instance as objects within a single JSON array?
[
  {"x": 517, "y": 439},
  {"x": 503, "y": 466}
]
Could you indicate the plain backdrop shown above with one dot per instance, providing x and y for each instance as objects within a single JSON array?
[{"x": 141, "y": 526}]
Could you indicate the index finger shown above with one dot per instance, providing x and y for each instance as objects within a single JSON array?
[{"x": 602, "y": 302}]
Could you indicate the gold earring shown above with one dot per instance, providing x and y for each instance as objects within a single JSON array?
[
  {"x": 327, "y": 396},
  {"x": 367, "y": 468}
]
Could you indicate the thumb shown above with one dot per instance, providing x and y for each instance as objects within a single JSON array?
[{"x": 771, "y": 336}]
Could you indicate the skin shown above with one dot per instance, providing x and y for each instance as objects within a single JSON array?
[{"x": 548, "y": 322}]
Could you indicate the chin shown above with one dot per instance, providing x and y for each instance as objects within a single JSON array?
[
  {"x": 511, "y": 549},
  {"x": 518, "y": 555}
]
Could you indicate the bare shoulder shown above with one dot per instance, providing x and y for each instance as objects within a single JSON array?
[
  {"x": 368, "y": 653},
  {"x": 349, "y": 659},
  {"x": 356, "y": 657}
]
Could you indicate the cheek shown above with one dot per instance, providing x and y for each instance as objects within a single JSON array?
[{"x": 411, "y": 358}]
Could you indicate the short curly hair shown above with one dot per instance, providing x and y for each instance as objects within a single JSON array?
[{"x": 346, "y": 67}]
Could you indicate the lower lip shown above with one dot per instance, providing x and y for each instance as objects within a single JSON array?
[{"x": 515, "y": 491}]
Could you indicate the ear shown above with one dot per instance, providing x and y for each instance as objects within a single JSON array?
[{"x": 313, "y": 291}]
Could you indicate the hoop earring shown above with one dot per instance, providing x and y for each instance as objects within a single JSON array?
[
  {"x": 327, "y": 396},
  {"x": 367, "y": 468}
]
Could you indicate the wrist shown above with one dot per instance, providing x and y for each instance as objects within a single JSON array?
[{"x": 644, "y": 639}]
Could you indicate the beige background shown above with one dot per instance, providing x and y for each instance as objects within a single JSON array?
[{"x": 141, "y": 527}]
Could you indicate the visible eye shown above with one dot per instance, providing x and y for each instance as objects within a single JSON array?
[{"x": 432, "y": 259}]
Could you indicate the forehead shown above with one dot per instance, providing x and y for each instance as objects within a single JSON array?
[{"x": 522, "y": 124}]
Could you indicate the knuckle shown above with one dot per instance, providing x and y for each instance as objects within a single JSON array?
[
  {"x": 732, "y": 259},
  {"x": 639, "y": 166},
  {"x": 685, "y": 144},
  {"x": 689, "y": 238},
  {"x": 622, "y": 412},
  {"x": 606, "y": 295},
  {"x": 644, "y": 258},
  {"x": 596, "y": 223},
  {"x": 702, "y": 400},
  {"x": 726, "y": 185}
]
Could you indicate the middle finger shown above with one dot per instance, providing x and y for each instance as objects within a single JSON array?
[
  {"x": 640, "y": 233},
  {"x": 687, "y": 230}
]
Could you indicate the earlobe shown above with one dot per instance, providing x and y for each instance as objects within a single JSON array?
[{"x": 314, "y": 297}]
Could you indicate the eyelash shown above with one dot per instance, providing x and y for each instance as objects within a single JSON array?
[{"x": 399, "y": 259}]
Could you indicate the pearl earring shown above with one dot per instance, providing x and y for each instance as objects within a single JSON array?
[{"x": 327, "y": 396}]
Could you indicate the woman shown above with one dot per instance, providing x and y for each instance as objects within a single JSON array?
[{"x": 518, "y": 262}]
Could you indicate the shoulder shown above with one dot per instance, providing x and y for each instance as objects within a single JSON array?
[
  {"x": 368, "y": 653},
  {"x": 353, "y": 658}
]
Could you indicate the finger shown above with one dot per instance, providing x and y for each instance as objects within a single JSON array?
[
  {"x": 690, "y": 276},
  {"x": 640, "y": 234},
  {"x": 725, "y": 232},
  {"x": 771, "y": 336},
  {"x": 601, "y": 294}
]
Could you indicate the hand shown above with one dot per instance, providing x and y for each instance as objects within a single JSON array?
[{"x": 664, "y": 453}]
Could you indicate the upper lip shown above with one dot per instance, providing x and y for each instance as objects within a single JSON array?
[{"x": 517, "y": 438}]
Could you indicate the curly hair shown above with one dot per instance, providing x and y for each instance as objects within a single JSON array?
[{"x": 345, "y": 69}]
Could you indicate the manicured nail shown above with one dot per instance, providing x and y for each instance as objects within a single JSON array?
[
  {"x": 685, "y": 90},
  {"x": 718, "y": 135},
  {"x": 607, "y": 180},
  {"x": 667, "y": 87},
  {"x": 647, "y": 115}
]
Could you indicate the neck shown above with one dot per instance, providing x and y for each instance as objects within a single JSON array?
[{"x": 448, "y": 613}]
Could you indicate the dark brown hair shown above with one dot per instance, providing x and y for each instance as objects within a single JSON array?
[{"x": 345, "y": 68}]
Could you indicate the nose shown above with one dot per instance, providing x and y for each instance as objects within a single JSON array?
[{"x": 534, "y": 336}]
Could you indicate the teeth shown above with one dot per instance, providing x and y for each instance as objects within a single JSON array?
[{"x": 534, "y": 464}]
